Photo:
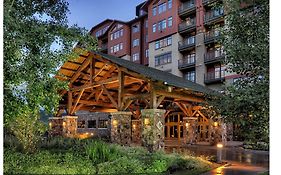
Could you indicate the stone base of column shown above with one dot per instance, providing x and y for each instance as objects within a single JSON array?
[
  {"x": 136, "y": 132},
  {"x": 191, "y": 130},
  {"x": 55, "y": 126},
  {"x": 69, "y": 126},
  {"x": 120, "y": 131},
  {"x": 153, "y": 125}
]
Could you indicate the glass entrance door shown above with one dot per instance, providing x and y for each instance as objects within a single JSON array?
[{"x": 174, "y": 126}]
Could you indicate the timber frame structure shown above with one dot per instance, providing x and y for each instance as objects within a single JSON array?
[
  {"x": 139, "y": 99},
  {"x": 104, "y": 83}
]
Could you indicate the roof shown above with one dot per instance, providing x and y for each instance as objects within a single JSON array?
[{"x": 159, "y": 75}]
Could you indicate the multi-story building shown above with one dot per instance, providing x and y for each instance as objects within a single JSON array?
[{"x": 176, "y": 36}]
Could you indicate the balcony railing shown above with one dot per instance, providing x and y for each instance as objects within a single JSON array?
[
  {"x": 186, "y": 8},
  {"x": 186, "y": 44},
  {"x": 214, "y": 56},
  {"x": 213, "y": 15},
  {"x": 205, "y": 2},
  {"x": 214, "y": 77},
  {"x": 211, "y": 36},
  {"x": 187, "y": 26},
  {"x": 103, "y": 47},
  {"x": 186, "y": 63}
]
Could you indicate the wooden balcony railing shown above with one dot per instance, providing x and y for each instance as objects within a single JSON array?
[{"x": 187, "y": 25}]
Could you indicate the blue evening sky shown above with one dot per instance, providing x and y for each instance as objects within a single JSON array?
[{"x": 88, "y": 13}]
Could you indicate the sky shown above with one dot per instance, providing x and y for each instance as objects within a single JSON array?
[{"x": 88, "y": 13}]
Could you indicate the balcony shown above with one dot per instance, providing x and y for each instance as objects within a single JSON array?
[
  {"x": 187, "y": 44},
  {"x": 186, "y": 63},
  {"x": 211, "y": 36},
  {"x": 187, "y": 26},
  {"x": 186, "y": 9},
  {"x": 103, "y": 47},
  {"x": 214, "y": 77},
  {"x": 214, "y": 56},
  {"x": 206, "y": 2},
  {"x": 214, "y": 16}
]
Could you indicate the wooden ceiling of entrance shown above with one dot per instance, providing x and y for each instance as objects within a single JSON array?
[{"x": 99, "y": 85}]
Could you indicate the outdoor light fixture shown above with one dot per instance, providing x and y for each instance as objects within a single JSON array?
[
  {"x": 197, "y": 115},
  {"x": 146, "y": 121},
  {"x": 114, "y": 123},
  {"x": 92, "y": 134},
  {"x": 134, "y": 126},
  {"x": 215, "y": 124},
  {"x": 187, "y": 124},
  {"x": 63, "y": 124},
  {"x": 50, "y": 124},
  {"x": 219, "y": 145},
  {"x": 219, "y": 153}
]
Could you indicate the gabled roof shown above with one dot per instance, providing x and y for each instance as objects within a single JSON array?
[{"x": 158, "y": 75}]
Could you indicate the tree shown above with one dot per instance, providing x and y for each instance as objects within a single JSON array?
[
  {"x": 37, "y": 40},
  {"x": 246, "y": 42}
]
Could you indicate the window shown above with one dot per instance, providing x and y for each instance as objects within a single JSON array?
[
  {"x": 136, "y": 42},
  {"x": 146, "y": 38},
  {"x": 170, "y": 2},
  {"x": 92, "y": 124},
  {"x": 116, "y": 34},
  {"x": 154, "y": 11},
  {"x": 136, "y": 57},
  {"x": 190, "y": 76},
  {"x": 136, "y": 28},
  {"x": 154, "y": 28},
  {"x": 190, "y": 58},
  {"x": 146, "y": 23},
  {"x": 111, "y": 36},
  {"x": 102, "y": 123},
  {"x": 163, "y": 42},
  {"x": 163, "y": 59},
  {"x": 170, "y": 21},
  {"x": 121, "y": 32},
  {"x": 162, "y": 8},
  {"x": 121, "y": 46},
  {"x": 190, "y": 40},
  {"x": 111, "y": 49},
  {"x": 81, "y": 124},
  {"x": 162, "y": 25},
  {"x": 146, "y": 53},
  {"x": 217, "y": 72}
]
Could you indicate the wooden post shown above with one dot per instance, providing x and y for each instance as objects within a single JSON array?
[
  {"x": 69, "y": 102},
  {"x": 120, "y": 89},
  {"x": 153, "y": 99}
]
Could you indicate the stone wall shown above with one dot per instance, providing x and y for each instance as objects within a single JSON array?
[
  {"x": 55, "y": 126},
  {"x": 153, "y": 129},
  {"x": 69, "y": 126},
  {"x": 191, "y": 127},
  {"x": 121, "y": 128},
  {"x": 136, "y": 132}
]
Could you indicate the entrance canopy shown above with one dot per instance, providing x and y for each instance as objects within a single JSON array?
[{"x": 103, "y": 83}]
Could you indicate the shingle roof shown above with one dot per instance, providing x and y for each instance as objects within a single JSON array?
[{"x": 159, "y": 75}]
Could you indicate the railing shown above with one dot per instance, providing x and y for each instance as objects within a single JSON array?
[
  {"x": 214, "y": 55},
  {"x": 186, "y": 63},
  {"x": 204, "y": 2},
  {"x": 214, "y": 14},
  {"x": 187, "y": 25},
  {"x": 213, "y": 77},
  {"x": 187, "y": 43},
  {"x": 103, "y": 47},
  {"x": 186, "y": 7},
  {"x": 211, "y": 35}
]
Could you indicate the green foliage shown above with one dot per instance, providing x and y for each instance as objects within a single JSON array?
[
  {"x": 246, "y": 42},
  {"x": 37, "y": 40}
]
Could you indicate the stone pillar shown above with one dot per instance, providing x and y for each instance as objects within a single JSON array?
[
  {"x": 153, "y": 125},
  {"x": 191, "y": 130},
  {"x": 69, "y": 126},
  {"x": 136, "y": 132},
  {"x": 120, "y": 131},
  {"x": 55, "y": 126}
]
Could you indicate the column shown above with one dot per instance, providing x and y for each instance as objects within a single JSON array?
[
  {"x": 191, "y": 130},
  {"x": 69, "y": 126},
  {"x": 120, "y": 131},
  {"x": 55, "y": 126},
  {"x": 153, "y": 125},
  {"x": 136, "y": 132}
]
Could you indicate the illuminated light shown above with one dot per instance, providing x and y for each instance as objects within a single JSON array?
[
  {"x": 114, "y": 122},
  {"x": 187, "y": 124},
  {"x": 146, "y": 121},
  {"x": 92, "y": 134},
  {"x": 219, "y": 145},
  {"x": 87, "y": 133},
  {"x": 197, "y": 115},
  {"x": 215, "y": 124},
  {"x": 161, "y": 106},
  {"x": 134, "y": 126},
  {"x": 63, "y": 124},
  {"x": 50, "y": 124}
]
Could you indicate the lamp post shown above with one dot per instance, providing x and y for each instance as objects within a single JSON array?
[{"x": 219, "y": 152}]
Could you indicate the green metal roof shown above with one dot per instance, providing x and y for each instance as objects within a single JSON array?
[{"x": 155, "y": 74}]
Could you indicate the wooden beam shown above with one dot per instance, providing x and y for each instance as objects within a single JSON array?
[
  {"x": 99, "y": 71},
  {"x": 160, "y": 99},
  {"x": 78, "y": 72},
  {"x": 80, "y": 105},
  {"x": 96, "y": 103},
  {"x": 77, "y": 101},
  {"x": 120, "y": 89},
  {"x": 153, "y": 99},
  {"x": 179, "y": 96},
  {"x": 109, "y": 96},
  {"x": 127, "y": 104},
  {"x": 138, "y": 96},
  {"x": 182, "y": 108},
  {"x": 96, "y": 84},
  {"x": 69, "y": 102}
]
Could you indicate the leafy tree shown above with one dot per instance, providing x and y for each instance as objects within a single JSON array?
[
  {"x": 246, "y": 42},
  {"x": 37, "y": 40}
]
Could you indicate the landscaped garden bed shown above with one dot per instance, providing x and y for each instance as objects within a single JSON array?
[{"x": 73, "y": 156}]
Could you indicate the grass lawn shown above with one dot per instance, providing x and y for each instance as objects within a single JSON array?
[{"x": 71, "y": 156}]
